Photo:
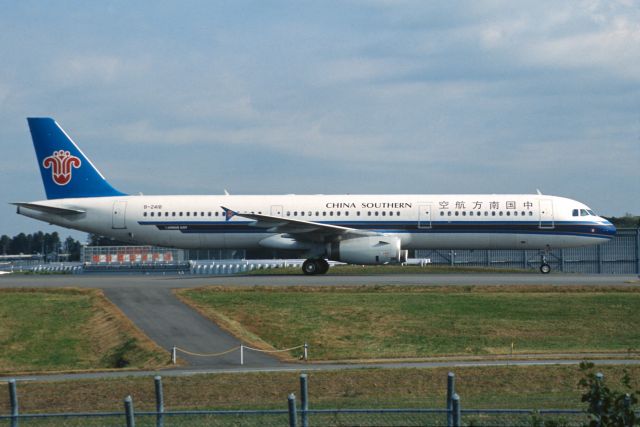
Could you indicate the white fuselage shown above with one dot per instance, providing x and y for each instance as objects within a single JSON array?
[{"x": 419, "y": 221}]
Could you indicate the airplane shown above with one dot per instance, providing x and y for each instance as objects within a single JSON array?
[{"x": 354, "y": 229}]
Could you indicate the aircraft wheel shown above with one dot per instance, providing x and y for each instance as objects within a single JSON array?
[
  {"x": 545, "y": 269},
  {"x": 324, "y": 266},
  {"x": 310, "y": 267}
]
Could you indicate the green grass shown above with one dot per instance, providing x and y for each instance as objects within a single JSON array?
[
  {"x": 414, "y": 322},
  {"x": 68, "y": 329},
  {"x": 487, "y": 387},
  {"x": 358, "y": 270}
]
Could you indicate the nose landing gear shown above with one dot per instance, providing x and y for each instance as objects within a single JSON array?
[{"x": 545, "y": 268}]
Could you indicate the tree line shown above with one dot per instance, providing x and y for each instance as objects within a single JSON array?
[{"x": 49, "y": 245}]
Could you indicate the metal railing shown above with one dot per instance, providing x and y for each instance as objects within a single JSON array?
[{"x": 620, "y": 255}]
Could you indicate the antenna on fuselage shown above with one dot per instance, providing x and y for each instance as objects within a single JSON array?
[{"x": 539, "y": 192}]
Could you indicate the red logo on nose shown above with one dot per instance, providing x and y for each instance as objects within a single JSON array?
[{"x": 61, "y": 163}]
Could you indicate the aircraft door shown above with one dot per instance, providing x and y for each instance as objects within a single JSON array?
[
  {"x": 424, "y": 215},
  {"x": 546, "y": 213},
  {"x": 119, "y": 211},
  {"x": 276, "y": 210}
]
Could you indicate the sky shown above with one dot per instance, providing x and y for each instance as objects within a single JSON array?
[{"x": 280, "y": 97}]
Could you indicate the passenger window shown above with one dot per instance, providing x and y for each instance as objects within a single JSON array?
[
  {"x": 188, "y": 213},
  {"x": 330, "y": 213},
  {"x": 317, "y": 213},
  {"x": 478, "y": 213},
  {"x": 180, "y": 213},
  {"x": 508, "y": 213},
  {"x": 288, "y": 213},
  {"x": 166, "y": 214},
  {"x": 464, "y": 213},
  {"x": 152, "y": 213},
  {"x": 398, "y": 213},
  {"x": 144, "y": 214},
  {"x": 369, "y": 213},
  {"x": 515, "y": 213},
  {"x": 376, "y": 213},
  {"x": 384, "y": 213},
  {"x": 358, "y": 213},
  {"x": 457, "y": 213},
  {"x": 346, "y": 213},
  {"x": 493, "y": 213},
  {"x": 530, "y": 213},
  {"x": 173, "y": 214},
  {"x": 449, "y": 213},
  {"x": 486, "y": 213},
  {"x": 208, "y": 213},
  {"x": 338, "y": 213},
  {"x": 324, "y": 213},
  {"x": 500, "y": 213}
]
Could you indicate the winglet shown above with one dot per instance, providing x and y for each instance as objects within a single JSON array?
[{"x": 228, "y": 213}]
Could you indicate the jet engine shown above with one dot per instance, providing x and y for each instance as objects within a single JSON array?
[{"x": 368, "y": 250}]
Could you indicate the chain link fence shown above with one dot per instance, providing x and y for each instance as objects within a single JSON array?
[
  {"x": 620, "y": 255},
  {"x": 296, "y": 412}
]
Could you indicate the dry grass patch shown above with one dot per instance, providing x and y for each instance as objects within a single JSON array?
[
  {"x": 487, "y": 387},
  {"x": 381, "y": 322},
  {"x": 69, "y": 329}
]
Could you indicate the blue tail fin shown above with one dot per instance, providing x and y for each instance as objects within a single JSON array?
[{"x": 66, "y": 171}]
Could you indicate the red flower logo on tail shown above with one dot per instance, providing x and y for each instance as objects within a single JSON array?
[{"x": 61, "y": 164}]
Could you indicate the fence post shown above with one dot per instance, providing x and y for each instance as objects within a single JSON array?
[
  {"x": 451, "y": 389},
  {"x": 599, "y": 379},
  {"x": 293, "y": 420},
  {"x": 128, "y": 411},
  {"x": 562, "y": 260},
  {"x": 13, "y": 398},
  {"x": 173, "y": 355},
  {"x": 457, "y": 413},
  {"x": 304, "y": 400},
  {"x": 159, "y": 401},
  {"x": 638, "y": 251},
  {"x": 627, "y": 407},
  {"x": 241, "y": 354},
  {"x": 306, "y": 352}
]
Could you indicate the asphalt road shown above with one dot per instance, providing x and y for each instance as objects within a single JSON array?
[
  {"x": 113, "y": 281},
  {"x": 149, "y": 302},
  {"x": 169, "y": 322}
]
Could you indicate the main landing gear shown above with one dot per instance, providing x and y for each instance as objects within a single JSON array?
[
  {"x": 315, "y": 266},
  {"x": 545, "y": 268}
]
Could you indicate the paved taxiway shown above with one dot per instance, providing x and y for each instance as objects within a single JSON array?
[{"x": 150, "y": 303}]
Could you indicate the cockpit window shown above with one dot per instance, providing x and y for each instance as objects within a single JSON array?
[
  {"x": 583, "y": 212},
  {"x": 576, "y": 212},
  {"x": 591, "y": 212}
]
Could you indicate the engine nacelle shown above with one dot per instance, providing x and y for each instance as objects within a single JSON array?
[{"x": 368, "y": 250}]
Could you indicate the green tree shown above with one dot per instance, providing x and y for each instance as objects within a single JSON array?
[{"x": 607, "y": 407}]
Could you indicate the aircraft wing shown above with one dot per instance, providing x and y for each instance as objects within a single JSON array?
[
  {"x": 300, "y": 229},
  {"x": 48, "y": 209}
]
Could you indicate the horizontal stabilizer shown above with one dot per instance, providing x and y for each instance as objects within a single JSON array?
[{"x": 48, "y": 209}]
